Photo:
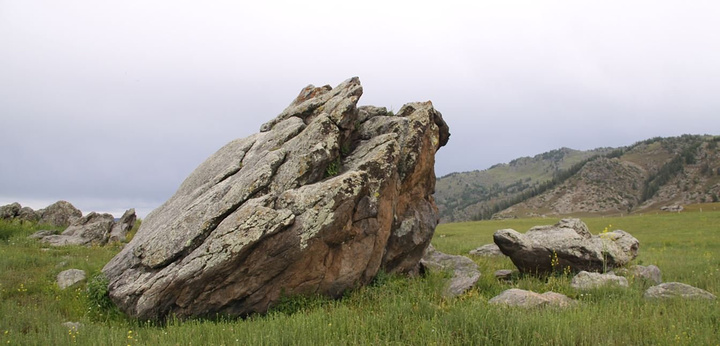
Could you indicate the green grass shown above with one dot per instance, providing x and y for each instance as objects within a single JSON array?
[{"x": 394, "y": 310}]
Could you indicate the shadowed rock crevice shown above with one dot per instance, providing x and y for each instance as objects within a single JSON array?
[{"x": 317, "y": 202}]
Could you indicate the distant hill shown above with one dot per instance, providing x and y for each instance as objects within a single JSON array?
[{"x": 647, "y": 175}]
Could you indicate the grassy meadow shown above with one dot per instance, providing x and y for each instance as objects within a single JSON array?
[{"x": 394, "y": 310}]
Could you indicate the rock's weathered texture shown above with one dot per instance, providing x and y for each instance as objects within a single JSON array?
[
  {"x": 465, "y": 271},
  {"x": 544, "y": 249},
  {"x": 9, "y": 211},
  {"x": 92, "y": 229},
  {"x": 651, "y": 273},
  {"x": 121, "y": 227},
  {"x": 529, "y": 299},
  {"x": 28, "y": 214},
  {"x": 487, "y": 250},
  {"x": 316, "y": 203},
  {"x": 586, "y": 280},
  {"x": 69, "y": 277},
  {"x": 677, "y": 290},
  {"x": 60, "y": 213}
]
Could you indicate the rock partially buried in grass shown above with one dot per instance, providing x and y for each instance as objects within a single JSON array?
[
  {"x": 530, "y": 299},
  {"x": 69, "y": 277},
  {"x": 677, "y": 290},
  {"x": 650, "y": 273},
  {"x": 546, "y": 249},
  {"x": 318, "y": 202},
  {"x": 487, "y": 250},
  {"x": 586, "y": 280},
  {"x": 465, "y": 271}
]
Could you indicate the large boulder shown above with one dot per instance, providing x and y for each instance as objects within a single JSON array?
[
  {"x": 316, "y": 203},
  {"x": 569, "y": 243},
  {"x": 60, "y": 213},
  {"x": 28, "y": 214},
  {"x": 9, "y": 211},
  {"x": 92, "y": 229},
  {"x": 465, "y": 272},
  {"x": 122, "y": 226}
]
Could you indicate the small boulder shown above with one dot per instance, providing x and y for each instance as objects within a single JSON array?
[
  {"x": 465, "y": 271},
  {"x": 673, "y": 208},
  {"x": 41, "y": 234},
  {"x": 529, "y": 299},
  {"x": 504, "y": 274},
  {"x": 650, "y": 273},
  {"x": 73, "y": 326},
  {"x": 677, "y": 290},
  {"x": 586, "y": 280},
  {"x": 545, "y": 249},
  {"x": 487, "y": 250},
  {"x": 123, "y": 226},
  {"x": 69, "y": 277},
  {"x": 60, "y": 213}
]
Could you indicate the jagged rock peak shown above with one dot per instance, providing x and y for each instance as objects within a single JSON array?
[{"x": 324, "y": 196}]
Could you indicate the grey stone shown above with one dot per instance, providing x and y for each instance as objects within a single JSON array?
[
  {"x": 73, "y": 326},
  {"x": 465, "y": 271},
  {"x": 504, "y": 274},
  {"x": 9, "y": 211},
  {"x": 317, "y": 202},
  {"x": 121, "y": 228},
  {"x": 69, "y": 277},
  {"x": 60, "y": 213},
  {"x": 92, "y": 229},
  {"x": 529, "y": 299},
  {"x": 677, "y": 290},
  {"x": 586, "y": 280},
  {"x": 650, "y": 273},
  {"x": 487, "y": 250},
  {"x": 545, "y": 249},
  {"x": 27, "y": 214}
]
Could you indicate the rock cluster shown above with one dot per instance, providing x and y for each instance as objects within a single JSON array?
[
  {"x": 60, "y": 213},
  {"x": 567, "y": 244},
  {"x": 317, "y": 202},
  {"x": 91, "y": 229}
]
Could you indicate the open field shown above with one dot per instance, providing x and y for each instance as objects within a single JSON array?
[{"x": 395, "y": 310}]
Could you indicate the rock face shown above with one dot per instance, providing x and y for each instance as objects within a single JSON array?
[
  {"x": 465, "y": 271},
  {"x": 70, "y": 277},
  {"x": 316, "y": 203},
  {"x": 544, "y": 249},
  {"x": 529, "y": 299},
  {"x": 92, "y": 229},
  {"x": 121, "y": 228},
  {"x": 586, "y": 280},
  {"x": 60, "y": 213},
  {"x": 677, "y": 290}
]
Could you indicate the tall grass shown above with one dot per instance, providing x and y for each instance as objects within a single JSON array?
[{"x": 394, "y": 310}]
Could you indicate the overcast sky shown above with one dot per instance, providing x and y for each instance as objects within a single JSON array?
[{"x": 111, "y": 104}]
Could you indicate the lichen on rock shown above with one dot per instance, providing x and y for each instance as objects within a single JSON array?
[{"x": 317, "y": 202}]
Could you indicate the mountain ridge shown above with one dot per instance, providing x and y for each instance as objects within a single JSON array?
[{"x": 603, "y": 181}]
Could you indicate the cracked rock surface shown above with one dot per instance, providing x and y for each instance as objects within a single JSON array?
[{"x": 324, "y": 196}]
